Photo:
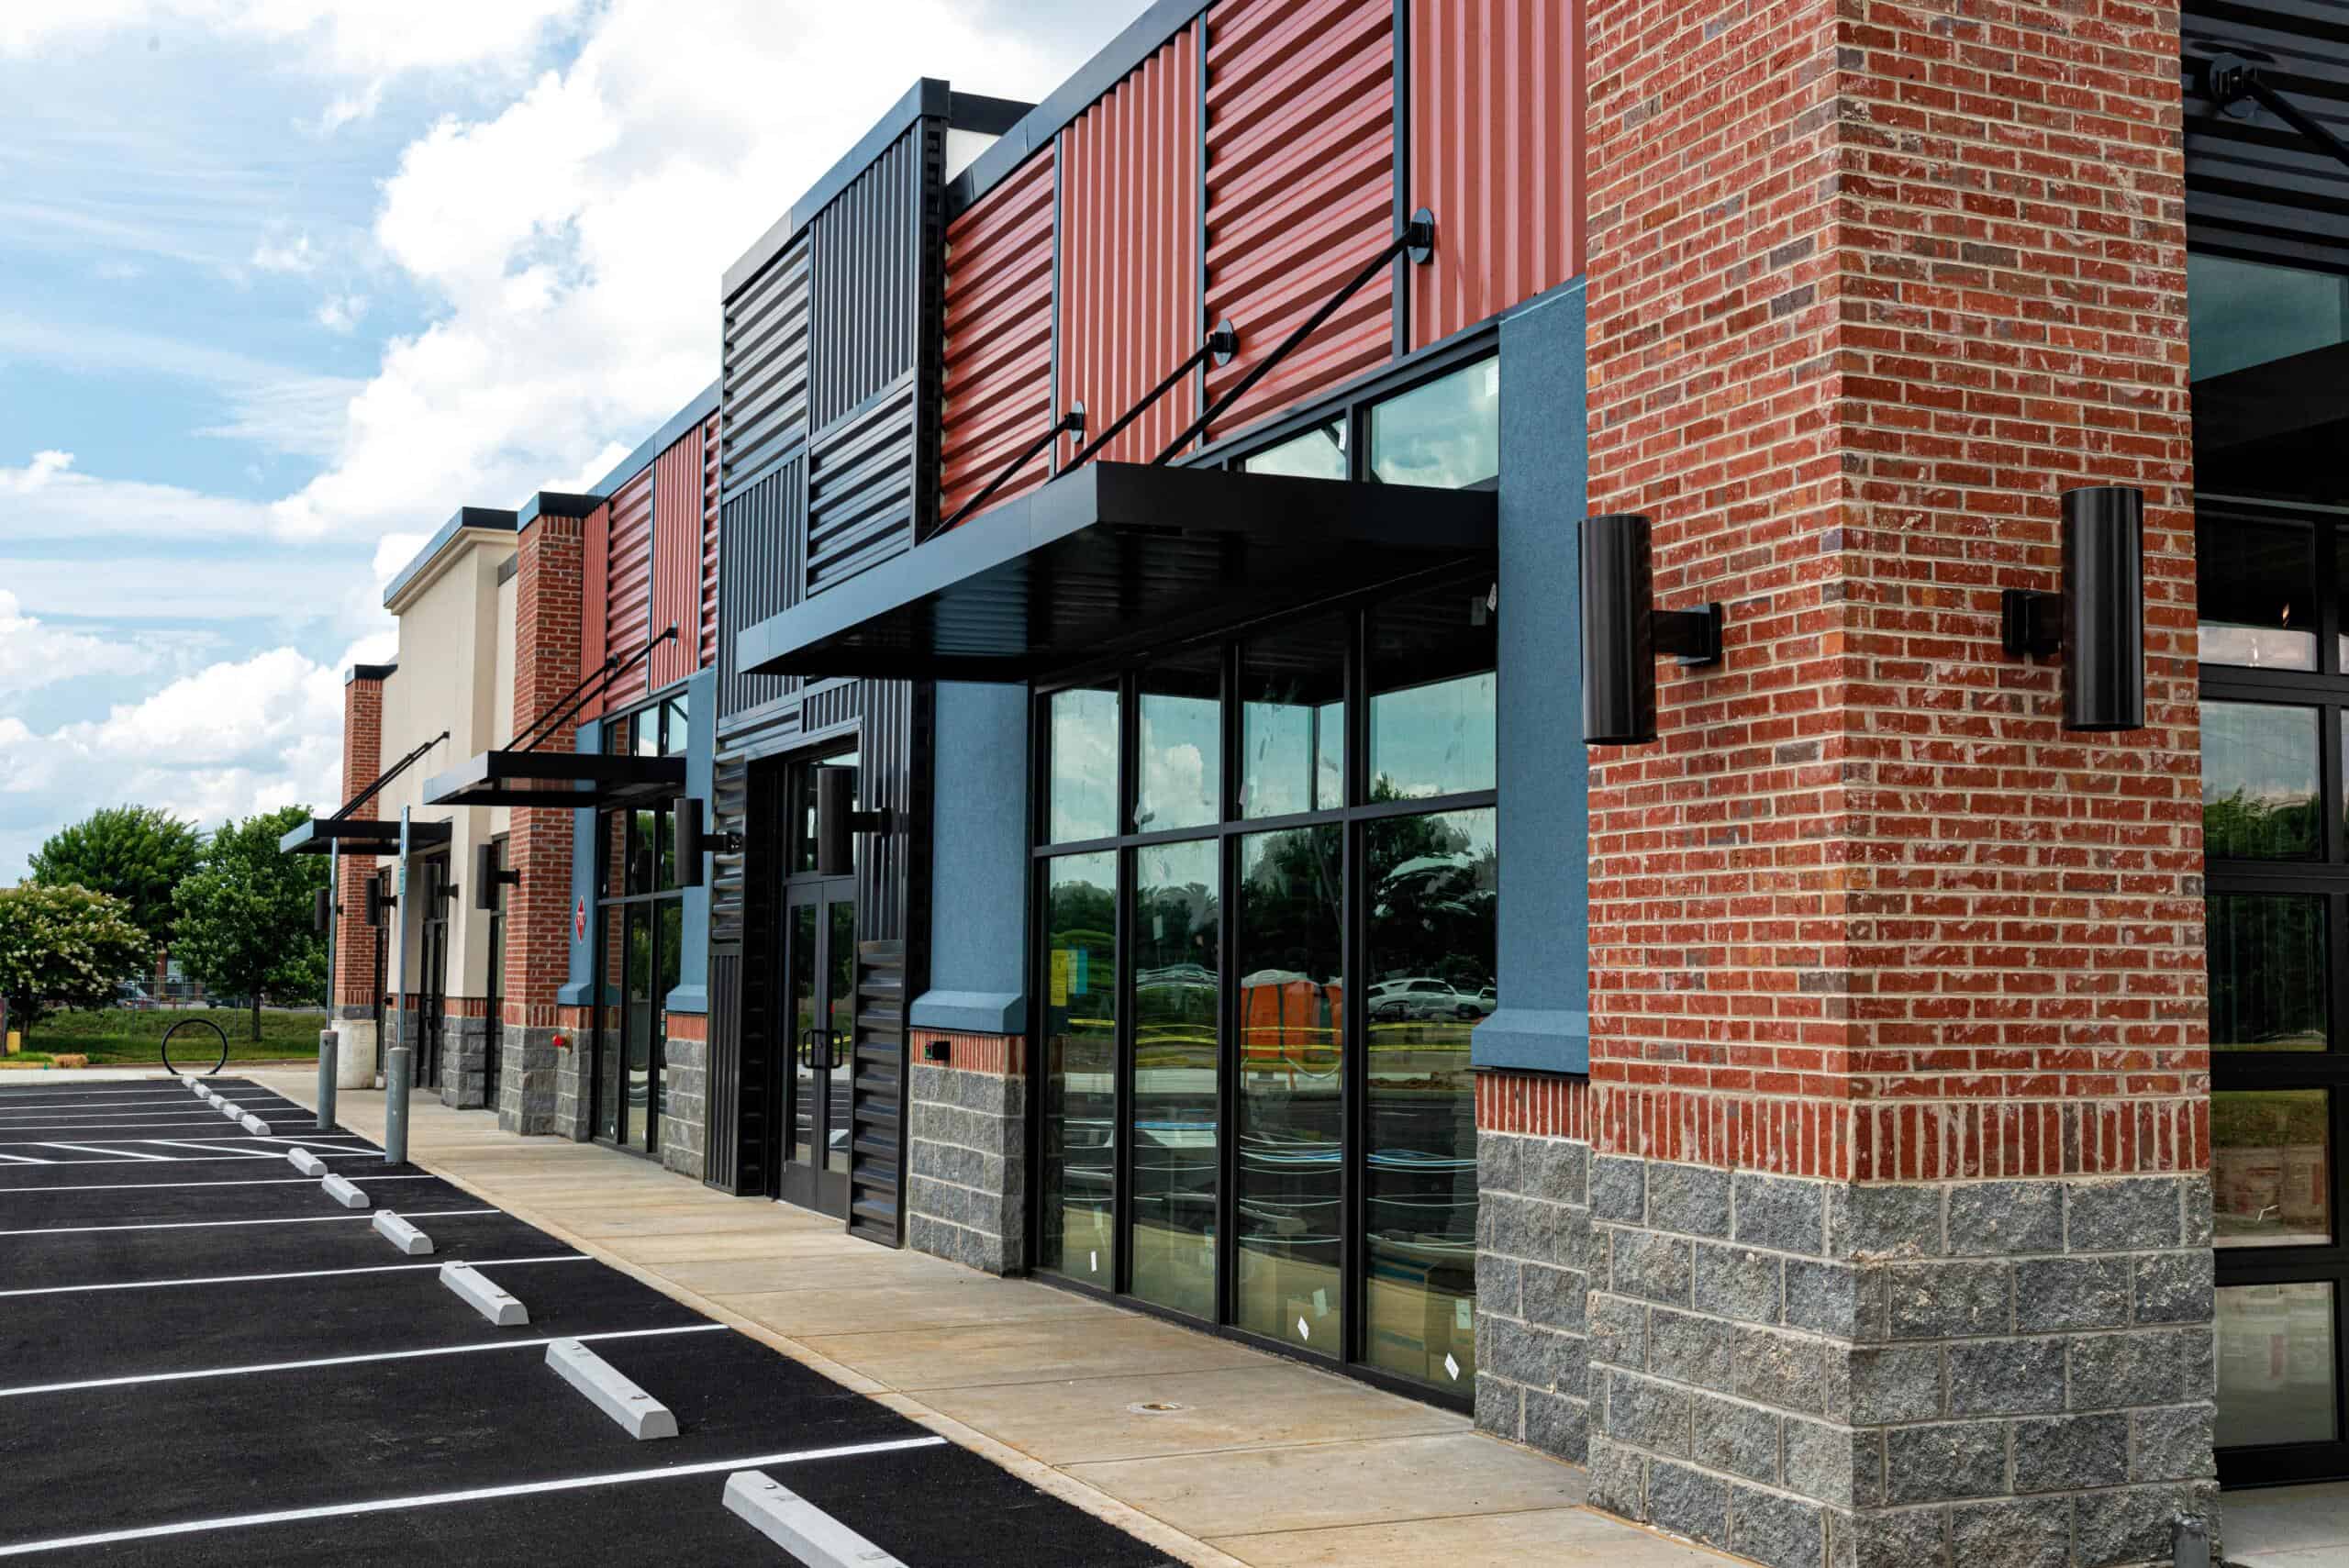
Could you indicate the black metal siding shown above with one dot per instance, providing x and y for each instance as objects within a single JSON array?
[
  {"x": 764, "y": 384},
  {"x": 724, "y": 1103},
  {"x": 2254, "y": 185},
  {"x": 868, "y": 292},
  {"x": 861, "y": 488},
  {"x": 761, "y": 534}
]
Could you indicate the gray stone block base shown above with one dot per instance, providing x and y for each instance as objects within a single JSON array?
[
  {"x": 967, "y": 1157},
  {"x": 1533, "y": 1286},
  {"x": 464, "y": 1062},
  {"x": 575, "y": 1090},
  {"x": 685, "y": 1101},
  {"x": 526, "y": 1080},
  {"x": 1829, "y": 1374}
]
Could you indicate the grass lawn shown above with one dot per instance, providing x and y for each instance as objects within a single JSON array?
[{"x": 118, "y": 1036}]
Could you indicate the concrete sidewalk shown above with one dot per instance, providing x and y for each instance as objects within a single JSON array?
[{"x": 1213, "y": 1451}]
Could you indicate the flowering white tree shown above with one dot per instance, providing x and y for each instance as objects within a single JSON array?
[{"x": 63, "y": 948}]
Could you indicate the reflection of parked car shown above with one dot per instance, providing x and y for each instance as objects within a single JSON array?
[
  {"x": 1487, "y": 999},
  {"x": 1394, "y": 1000}
]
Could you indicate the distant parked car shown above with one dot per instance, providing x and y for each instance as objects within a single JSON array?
[{"x": 1395, "y": 1000}]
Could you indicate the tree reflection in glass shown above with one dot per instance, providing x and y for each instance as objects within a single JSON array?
[
  {"x": 1080, "y": 1111},
  {"x": 1177, "y": 941},
  {"x": 1290, "y": 1211},
  {"x": 1433, "y": 889}
]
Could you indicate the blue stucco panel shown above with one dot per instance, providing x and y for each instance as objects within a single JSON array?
[
  {"x": 577, "y": 994},
  {"x": 979, "y": 867},
  {"x": 1543, "y": 1020}
]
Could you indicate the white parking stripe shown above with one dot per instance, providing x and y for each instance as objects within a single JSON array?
[
  {"x": 151, "y": 1187},
  {"x": 176, "y": 1143},
  {"x": 25, "y": 1160},
  {"x": 218, "y": 1224},
  {"x": 474, "y": 1494},
  {"x": 244, "y": 1158},
  {"x": 89, "y": 1148},
  {"x": 294, "y": 1274},
  {"x": 371, "y": 1356}
]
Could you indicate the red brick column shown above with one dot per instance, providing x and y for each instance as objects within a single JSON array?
[
  {"x": 1869, "y": 286},
  {"x": 356, "y": 983},
  {"x": 549, "y": 580}
]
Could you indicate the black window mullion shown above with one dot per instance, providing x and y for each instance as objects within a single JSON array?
[
  {"x": 2328, "y": 598},
  {"x": 1353, "y": 1050},
  {"x": 1121, "y": 1184},
  {"x": 1227, "y": 1005}
]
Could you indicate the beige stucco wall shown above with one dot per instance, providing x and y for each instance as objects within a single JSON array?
[{"x": 455, "y": 634}]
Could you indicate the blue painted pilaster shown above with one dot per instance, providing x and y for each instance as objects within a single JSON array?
[
  {"x": 979, "y": 870},
  {"x": 1543, "y": 1020},
  {"x": 692, "y": 994},
  {"x": 579, "y": 993}
]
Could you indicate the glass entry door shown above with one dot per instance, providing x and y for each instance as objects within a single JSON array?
[
  {"x": 819, "y": 968},
  {"x": 433, "y": 973}
]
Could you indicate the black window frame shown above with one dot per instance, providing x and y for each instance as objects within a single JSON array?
[
  {"x": 662, "y": 707},
  {"x": 1356, "y": 611},
  {"x": 2326, "y": 689}
]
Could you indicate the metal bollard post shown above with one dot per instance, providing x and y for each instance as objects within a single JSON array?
[
  {"x": 397, "y": 1068},
  {"x": 327, "y": 1042}
]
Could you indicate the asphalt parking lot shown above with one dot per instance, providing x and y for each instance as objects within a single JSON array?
[{"x": 206, "y": 1359}]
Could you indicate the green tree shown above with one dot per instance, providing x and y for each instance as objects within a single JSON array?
[
  {"x": 61, "y": 947},
  {"x": 245, "y": 912},
  {"x": 136, "y": 853}
]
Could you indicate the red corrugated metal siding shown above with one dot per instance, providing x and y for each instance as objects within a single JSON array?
[
  {"x": 627, "y": 584},
  {"x": 676, "y": 592},
  {"x": 998, "y": 386},
  {"x": 1301, "y": 187},
  {"x": 595, "y": 573},
  {"x": 1496, "y": 153},
  {"x": 1129, "y": 253},
  {"x": 706, "y": 653}
]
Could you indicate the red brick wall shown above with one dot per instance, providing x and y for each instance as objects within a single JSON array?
[
  {"x": 548, "y": 585},
  {"x": 355, "y": 980},
  {"x": 1869, "y": 285}
]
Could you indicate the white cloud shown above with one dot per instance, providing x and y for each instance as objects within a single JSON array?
[
  {"x": 281, "y": 255},
  {"x": 50, "y": 499},
  {"x": 34, "y": 655},
  {"x": 360, "y": 38},
  {"x": 343, "y": 312}
]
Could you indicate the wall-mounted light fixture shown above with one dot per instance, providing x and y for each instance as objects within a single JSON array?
[
  {"x": 694, "y": 841},
  {"x": 321, "y": 910},
  {"x": 837, "y": 820},
  {"x": 489, "y": 875},
  {"x": 1623, "y": 632},
  {"x": 378, "y": 901},
  {"x": 2098, "y": 621}
]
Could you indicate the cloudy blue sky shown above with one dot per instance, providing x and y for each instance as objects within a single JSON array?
[{"x": 284, "y": 283}]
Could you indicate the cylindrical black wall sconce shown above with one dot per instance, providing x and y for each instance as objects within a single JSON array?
[
  {"x": 2098, "y": 622},
  {"x": 838, "y": 821},
  {"x": 490, "y": 875},
  {"x": 1623, "y": 632},
  {"x": 321, "y": 910},
  {"x": 694, "y": 841}
]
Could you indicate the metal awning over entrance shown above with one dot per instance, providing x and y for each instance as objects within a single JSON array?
[
  {"x": 358, "y": 836},
  {"x": 1114, "y": 559},
  {"x": 575, "y": 779}
]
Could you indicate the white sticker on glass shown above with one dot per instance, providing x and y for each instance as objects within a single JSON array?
[
  {"x": 1452, "y": 1366},
  {"x": 1303, "y": 1330}
]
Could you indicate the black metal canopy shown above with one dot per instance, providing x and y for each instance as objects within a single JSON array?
[
  {"x": 358, "y": 836},
  {"x": 576, "y": 779},
  {"x": 1120, "y": 558}
]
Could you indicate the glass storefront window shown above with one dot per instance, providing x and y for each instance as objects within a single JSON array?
[
  {"x": 2255, "y": 582},
  {"x": 1181, "y": 714},
  {"x": 2277, "y": 1365},
  {"x": 2261, "y": 784},
  {"x": 1293, "y": 721},
  {"x": 1289, "y": 1214},
  {"x": 1177, "y": 927},
  {"x": 1319, "y": 453},
  {"x": 1083, "y": 747},
  {"x": 1433, "y": 894},
  {"x": 1432, "y": 694},
  {"x": 2271, "y": 1167},
  {"x": 2241, "y": 314},
  {"x": 2268, "y": 971},
  {"x": 1080, "y": 1111},
  {"x": 1446, "y": 434}
]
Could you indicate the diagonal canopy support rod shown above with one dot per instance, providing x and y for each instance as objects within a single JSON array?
[
  {"x": 2231, "y": 77},
  {"x": 395, "y": 771},
  {"x": 565, "y": 711},
  {"x": 1220, "y": 345},
  {"x": 1072, "y": 420},
  {"x": 1417, "y": 240},
  {"x": 603, "y": 672}
]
